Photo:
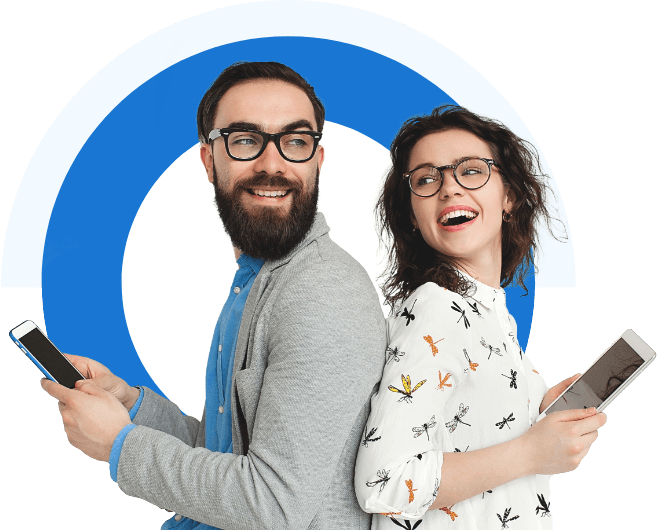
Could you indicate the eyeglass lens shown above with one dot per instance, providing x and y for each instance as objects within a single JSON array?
[
  {"x": 246, "y": 144},
  {"x": 471, "y": 174}
]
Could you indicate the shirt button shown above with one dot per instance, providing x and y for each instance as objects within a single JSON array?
[
  {"x": 221, "y": 409},
  {"x": 178, "y": 517},
  {"x": 219, "y": 347},
  {"x": 237, "y": 290}
]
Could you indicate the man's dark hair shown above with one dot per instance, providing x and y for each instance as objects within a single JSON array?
[
  {"x": 245, "y": 71},
  {"x": 412, "y": 262}
]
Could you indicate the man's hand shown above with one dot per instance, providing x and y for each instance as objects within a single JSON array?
[
  {"x": 560, "y": 441},
  {"x": 556, "y": 391},
  {"x": 99, "y": 375},
  {"x": 92, "y": 416}
]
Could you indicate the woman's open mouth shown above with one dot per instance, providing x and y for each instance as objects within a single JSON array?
[{"x": 457, "y": 217}]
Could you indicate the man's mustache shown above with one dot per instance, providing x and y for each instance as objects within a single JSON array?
[{"x": 265, "y": 180}]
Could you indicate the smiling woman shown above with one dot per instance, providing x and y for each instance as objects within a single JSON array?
[{"x": 461, "y": 204}]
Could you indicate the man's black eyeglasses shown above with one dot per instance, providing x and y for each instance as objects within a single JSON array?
[{"x": 242, "y": 144}]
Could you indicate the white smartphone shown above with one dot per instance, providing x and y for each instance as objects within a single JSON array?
[
  {"x": 43, "y": 353},
  {"x": 607, "y": 377}
]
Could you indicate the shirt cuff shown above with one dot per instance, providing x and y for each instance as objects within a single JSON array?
[
  {"x": 134, "y": 408},
  {"x": 116, "y": 449}
]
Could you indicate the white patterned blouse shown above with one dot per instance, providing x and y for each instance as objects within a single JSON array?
[{"x": 455, "y": 379}]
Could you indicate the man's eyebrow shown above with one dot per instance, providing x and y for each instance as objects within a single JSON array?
[
  {"x": 293, "y": 126},
  {"x": 244, "y": 125},
  {"x": 297, "y": 125}
]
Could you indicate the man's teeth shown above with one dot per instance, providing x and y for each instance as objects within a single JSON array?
[
  {"x": 270, "y": 193},
  {"x": 457, "y": 213}
]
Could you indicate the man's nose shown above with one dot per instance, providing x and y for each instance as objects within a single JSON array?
[{"x": 270, "y": 161}]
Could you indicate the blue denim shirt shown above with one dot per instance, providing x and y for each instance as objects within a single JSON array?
[{"x": 219, "y": 371}]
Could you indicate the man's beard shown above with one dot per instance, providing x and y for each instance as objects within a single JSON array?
[{"x": 266, "y": 232}]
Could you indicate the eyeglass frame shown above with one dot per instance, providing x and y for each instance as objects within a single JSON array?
[
  {"x": 267, "y": 137},
  {"x": 489, "y": 162}
]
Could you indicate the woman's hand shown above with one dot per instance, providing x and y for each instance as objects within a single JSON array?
[
  {"x": 100, "y": 376},
  {"x": 556, "y": 391},
  {"x": 560, "y": 441}
]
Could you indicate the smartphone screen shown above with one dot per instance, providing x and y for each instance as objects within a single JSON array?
[
  {"x": 50, "y": 358},
  {"x": 608, "y": 373}
]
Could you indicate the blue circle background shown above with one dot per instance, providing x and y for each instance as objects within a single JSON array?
[{"x": 148, "y": 131}]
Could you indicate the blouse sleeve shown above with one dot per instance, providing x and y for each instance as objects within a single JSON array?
[{"x": 399, "y": 461}]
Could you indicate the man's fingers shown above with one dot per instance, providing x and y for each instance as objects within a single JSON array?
[
  {"x": 56, "y": 390},
  {"x": 90, "y": 388}
]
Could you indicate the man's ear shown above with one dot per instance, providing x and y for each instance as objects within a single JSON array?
[
  {"x": 206, "y": 154},
  {"x": 320, "y": 156}
]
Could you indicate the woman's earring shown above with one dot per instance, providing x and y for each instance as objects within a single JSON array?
[{"x": 506, "y": 216}]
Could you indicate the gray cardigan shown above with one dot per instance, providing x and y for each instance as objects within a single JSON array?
[{"x": 309, "y": 354}]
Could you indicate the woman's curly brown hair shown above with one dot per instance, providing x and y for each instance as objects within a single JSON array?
[{"x": 412, "y": 262}]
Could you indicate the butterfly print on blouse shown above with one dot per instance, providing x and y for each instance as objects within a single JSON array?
[
  {"x": 393, "y": 354},
  {"x": 434, "y": 348},
  {"x": 443, "y": 382},
  {"x": 407, "y": 524},
  {"x": 457, "y": 450},
  {"x": 411, "y": 494},
  {"x": 484, "y": 493},
  {"x": 369, "y": 437},
  {"x": 505, "y": 421},
  {"x": 506, "y": 518},
  {"x": 513, "y": 383},
  {"x": 475, "y": 309},
  {"x": 462, "y": 411},
  {"x": 407, "y": 392},
  {"x": 448, "y": 511},
  {"x": 383, "y": 479},
  {"x": 544, "y": 507},
  {"x": 408, "y": 315},
  {"x": 473, "y": 366},
  {"x": 460, "y": 310},
  {"x": 425, "y": 428},
  {"x": 435, "y": 494},
  {"x": 496, "y": 351}
]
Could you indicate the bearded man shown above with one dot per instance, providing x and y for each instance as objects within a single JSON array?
[{"x": 296, "y": 353}]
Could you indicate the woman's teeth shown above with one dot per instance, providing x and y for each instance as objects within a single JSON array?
[{"x": 466, "y": 214}]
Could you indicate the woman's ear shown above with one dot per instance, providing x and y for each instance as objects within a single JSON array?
[{"x": 509, "y": 202}]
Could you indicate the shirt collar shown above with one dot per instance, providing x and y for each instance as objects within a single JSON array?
[
  {"x": 248, "y": 261},
  {"x": 482, "y": 293}
]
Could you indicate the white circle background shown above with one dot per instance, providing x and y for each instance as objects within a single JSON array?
[{"x": 162, "y": 314}]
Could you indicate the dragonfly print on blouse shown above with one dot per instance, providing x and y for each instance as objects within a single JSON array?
[
  {"x": 473, "y": 366},
  {"x": 407, "y": 391},
  {"x": 543, "y": 507},
  {"x": 443, "y": 381},
  {"x": 435, "y": 494},
  {"x": 462, "y": 411},
  {"x": 393, "y": 354},
  {"x": 383, "y": 479},
  {"x": 475, "y": 309},
  {"x": 506, "y": 519},
  {"x": 425, "y": 428},
  {"x": 369, "y": 437},
  {"x": 434, "y": 348},
  {"x": 513, "y": 384},
  {"x": 460, "y": 310},
  {"x": 505, "y": 421},
  {"x": 406, "y": 523},
  {"x": 411, "y": 494},
  {"x": 496, "y": 351},
  {"x": 447, "y": 510},
  {"x": 408, "y": 315}
]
